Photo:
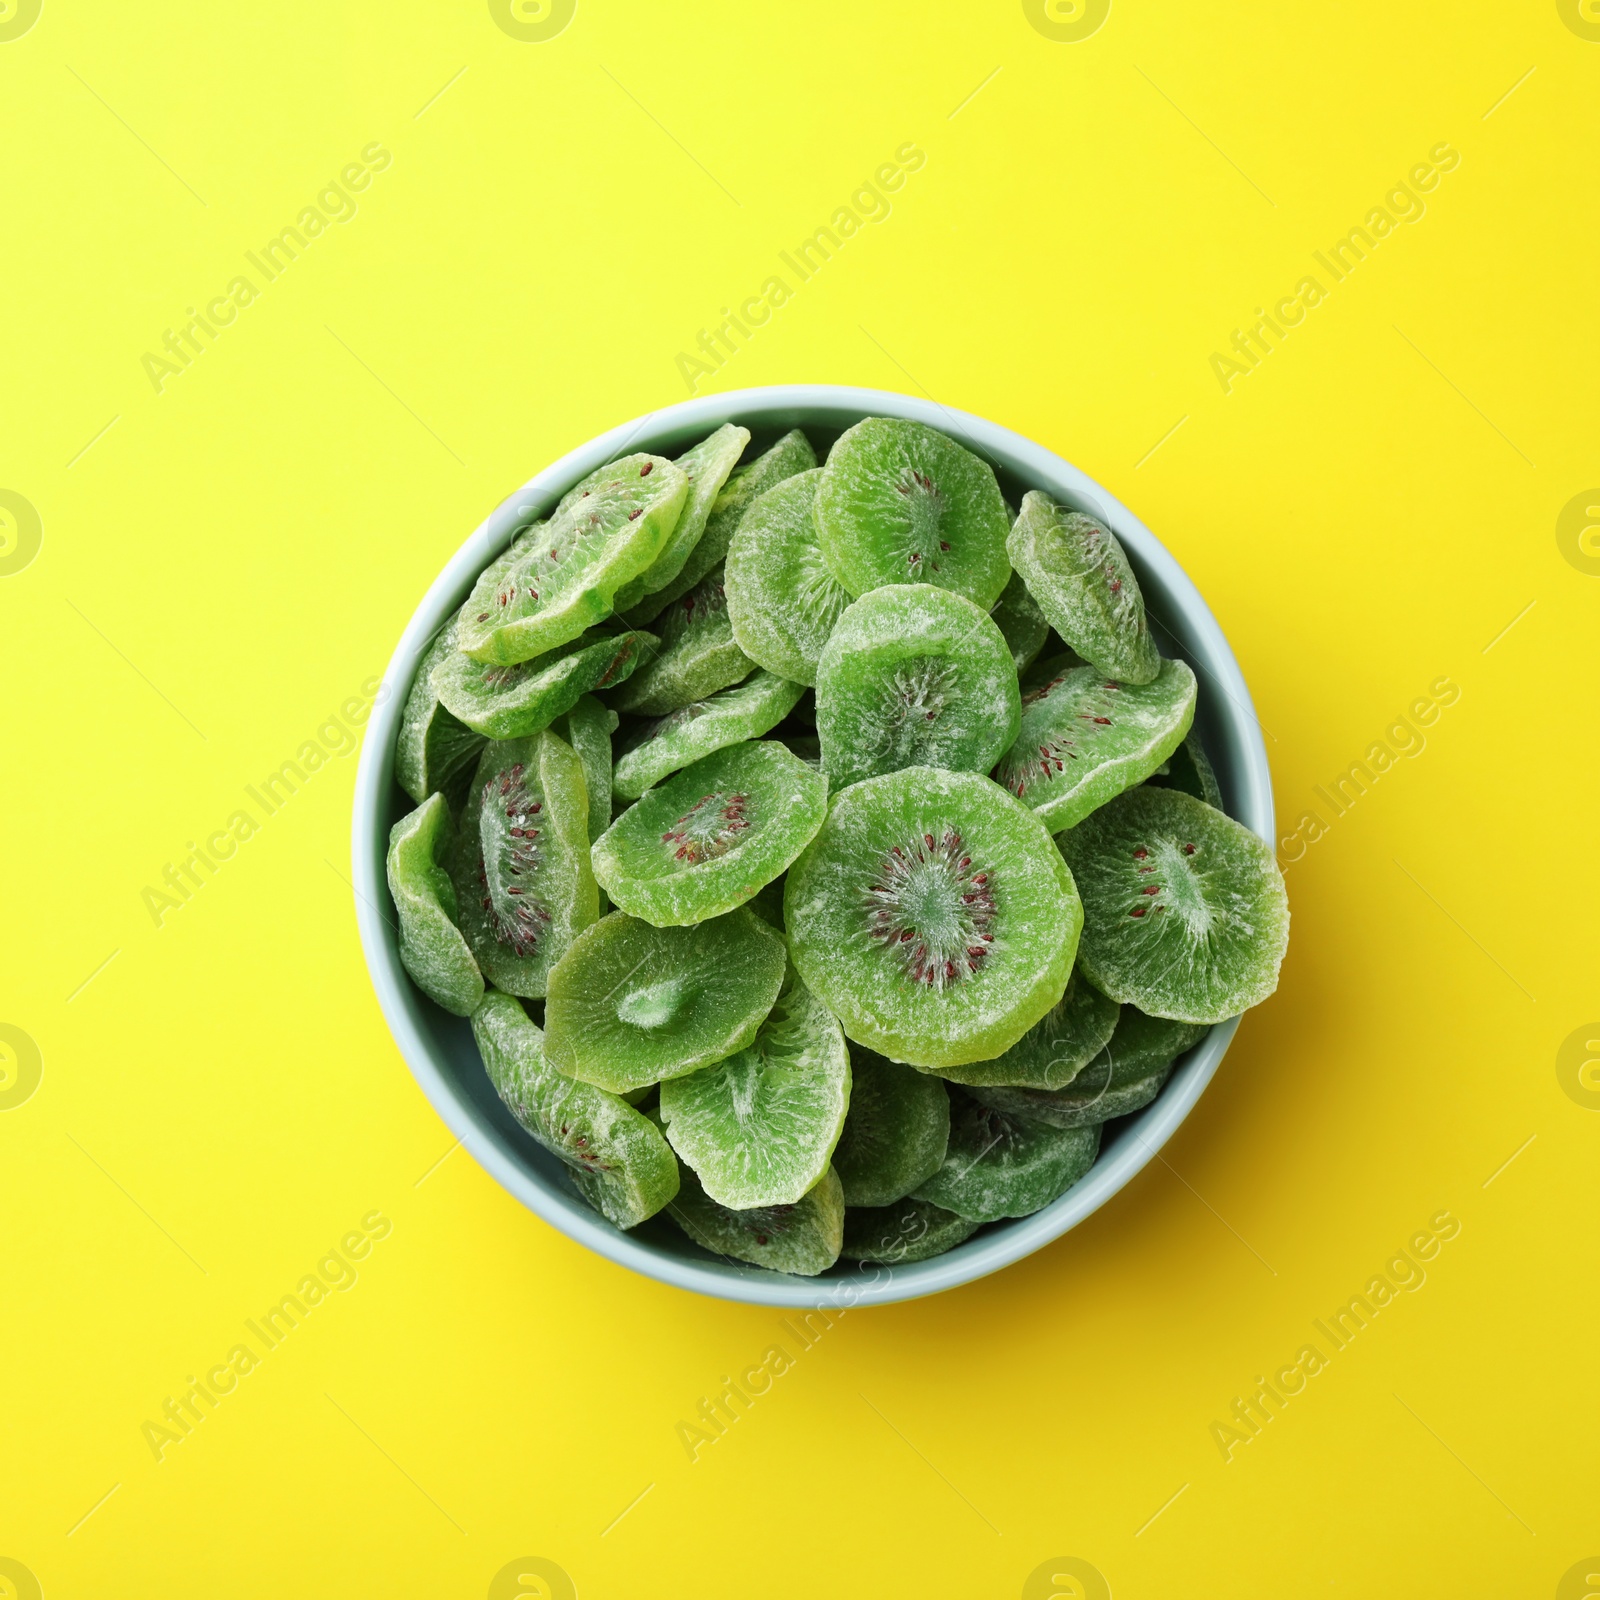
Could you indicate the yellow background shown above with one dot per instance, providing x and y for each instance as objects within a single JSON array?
[{"x": 232, "y": 557}]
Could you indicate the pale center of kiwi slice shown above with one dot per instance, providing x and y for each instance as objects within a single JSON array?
[
  {"x": 657, "y": 1005},
  {"x": 711, "y": 827},
  {"x": 512, "y": 860},
  {"x": 913, "y": 698},
  {"x": 925, "y": 514},
  {"x": 1171, "y": 882},
  {"x": 931, "y": 908}
]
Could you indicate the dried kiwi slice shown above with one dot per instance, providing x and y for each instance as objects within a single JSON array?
[
  {"x": 791, "y": 454},
  {"x": 901, "y": 503},
  {"x": 782, "y": 601},
  {"x": 929, "y": 916},
  {"x": 1188, "y": 769},
  {"x": 895, "y": 1136},
  {"x": 1085, "y": 737},
  {"x": 697, "y": 655},
  {"x": 802, "y": 1238},
  {"x": 606, "y": 530},
  {"x": 746, "y": 711},
  {"x": 1088, "y": 1100},
  {"x": 909, "y": 1230},
  {"x": 759, "y": 1127},
  {"x": 432, "y": 949},
  {"x": 1017, "y": 615},
  {"x": 1185, "y": 914},
  {"x": 510, "y": 702},
  {"x": 520, "y": 865},
  {"x": 588, "y": 727},
  {"x": 714, "y": 833},
  {"x": 914, "y": 676},
  {"x": 1143, "y": 1045},
  {"x": 1056, "y": 1049},
  {"x": 630, "y": 1004},
  {"x": 1077, "y": 571},
  {"x": 435, "y": 750},
  {"x": 707, "y": 467},
  {"x": 619, "y": 1161},
  {"x": 1006, "y": 1166}
]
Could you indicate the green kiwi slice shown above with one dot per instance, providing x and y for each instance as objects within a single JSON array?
[
  {"x": 909, "y": 1230},
  {"x": 782, "y": 600},
  {"x": 759, "y": 1127},
  {"x": 901, "y": 503},
  {"x": 435, "y": 750},
  {"x": 1085, "y": 737},
  {"x": 630, "y": 1004},
  {"x": 1189, "y": 769},
  {"x": 588, "y": 727},
  {"x": 432, "y": 949},
  {"x": 697, "y": 655},
  {"x": 1075, "y": 568},
  {"x": 1056, "y": 1049},
  {"x": 520, "y": 866},
  {"x": 930, "y": 917},
  {"x": 712, "y": 834},
  {"x": 707, "y": 467},
  {"x": 746, "y": 484},
  {"x": 509, "y": 702},
  {"x": 1006, "y": 1166},
  {"x": 1018, "y": 617},
  {"x": 895, "y": 1136},
  {"x": 802, "y": 1238},
  {"x": 618, "y": 1159},
  {"x": 564, "y": 572},
  {"x": 1185, "y": 914},
  {"x": 1089, "y": 1099},
  {"x": 1143, "y": 1045},
  {"x": 914, "y": 676},
  {"x": 746, "y": 711}
]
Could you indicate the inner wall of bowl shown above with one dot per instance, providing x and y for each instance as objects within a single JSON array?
[{"x": 451, "y": 1054}]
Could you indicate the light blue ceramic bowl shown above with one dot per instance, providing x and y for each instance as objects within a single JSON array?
[{"x": 439, "y": 1048}]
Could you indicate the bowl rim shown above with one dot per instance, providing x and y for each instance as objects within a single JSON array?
[{"x": 1148, "y": 1131}]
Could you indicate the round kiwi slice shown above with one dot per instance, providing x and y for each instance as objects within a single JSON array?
[
  {"x": 930, "y": 916},
  {"x": 896, "y": 1133},
  {"x": 1006, "y": 1166},
  {"x": 1088, "y": 1100},
  {"x": 914, "y": 676},
  {"x": 606, "y": 530},
  {"x": 712, "y": 834},
  {"x": 745, "y": 485},
  {"x": 782, "y": 601},
  {"x": 901, "y": 503},
  {"x": 1185, "y": 914},
  {"x": 588, "y": 727},
  {"x": 658, "y": 748},
  {"x": 802, "y": 1238},
  {"x": 1085, "y": 737},
  {"x": 1071, "y": 1034},
  {"x": 435, "y": 750},
  {"x": 1188, "y": 769},
  {"x": 1017, "y": 615},
  {"x": 1075, "y": 568},
  {"x": 619, "y": 1161},
  {"x": 509, "y": 702},
  {"x": 1143, "y": 1045},
  {"x": 431, "y": 947},
  {"x": 707, "y": 467},
  {"x": 630, "y": 1004},
  {"x": 758, "y": 1128},
  {"x": 697, "y": 655},
  {"x": 909, "y": 1230},
  {"x": 520, "y": 865}
]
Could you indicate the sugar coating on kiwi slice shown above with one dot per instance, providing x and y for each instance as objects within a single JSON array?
[
  {"x": 1018, "y": 617},
  {"x": 902, "y": 503},
  {"x": 1056, "y": 1049},
  {"x": 914, "y": 677},
  {"x": 1185, "y": 913},
  {"x": 1006, "y": 1166},
  {"x": 662, "y": 746},
  {"x": 697, "y": 654},
  {"x": 1143, "y": 1045},
  {"x": 1085, "y": 737},
  {"x": 432, "y": 949},
  {"x": 1189, "y": 769},
  {"x": 711, "y": 835},
  {"x": 759, "y": 1127},
  {"x": 745, "y": 485},
  {"x": 1077, "y": 570},
  {"x": 906, "y": 1231},
  {"x": 1087, "y": 1101},
  {"x": 803, "y": 1238},
  {"x": 565, "y": 572},
  {"x": 630, "y": 1004},
  {"x": 509, "y": 702},
  {"x": 435, "y": 750},
  {"x": 707, "y": 467},
  {"x": 782, "y": 600},
  {"x": 619, "y": 1161},
  {"x": 588, "y": 727},
  {"x": 929, "y": 915},
  {"x": 895, "y": 1135},
  {"x": 520, "y": 865}
]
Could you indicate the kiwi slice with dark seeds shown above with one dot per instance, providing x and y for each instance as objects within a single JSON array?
[{"x": 697, "y": 655}]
